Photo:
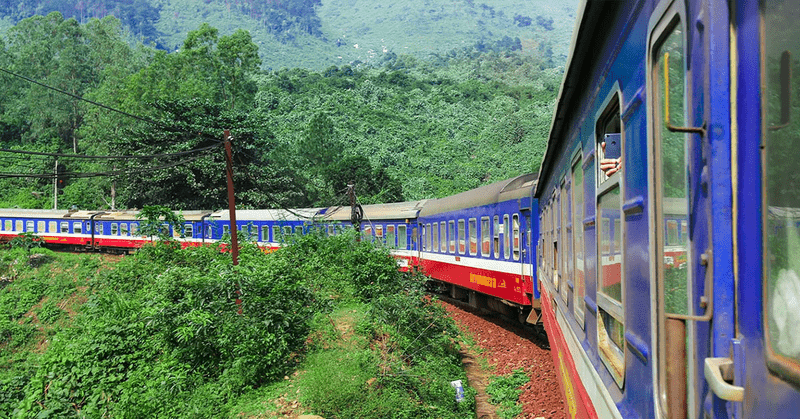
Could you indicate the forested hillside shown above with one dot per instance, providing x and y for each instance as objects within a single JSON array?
[
  {"x": 315, "y": 34},
  {"x": 402, "y": 126}
]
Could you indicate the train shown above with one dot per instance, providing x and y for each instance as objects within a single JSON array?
[{"x": 668, "y": 285}]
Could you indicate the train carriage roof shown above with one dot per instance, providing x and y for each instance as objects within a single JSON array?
[
  {"x": 302, "y": 214},
  {"x": 591, "y": 21},
  {"x": 375, "y": 212},
  {"x": 514, "y": 188},
  {"x": 32, "y": 213}
]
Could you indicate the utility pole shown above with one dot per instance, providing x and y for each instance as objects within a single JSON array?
[
  {"x": 231, "y": 198},
  {"x": 55, "y": 186}
]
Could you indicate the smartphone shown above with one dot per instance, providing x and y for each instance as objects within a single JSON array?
[{"x": 613, "y": 146}]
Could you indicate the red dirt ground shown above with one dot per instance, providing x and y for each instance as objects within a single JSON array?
[{"x": 508, "y": 348}]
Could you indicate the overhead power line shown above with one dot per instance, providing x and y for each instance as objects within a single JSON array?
[{"x": 123, "y": 157}]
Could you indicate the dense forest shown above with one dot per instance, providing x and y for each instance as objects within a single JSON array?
[{"x": 403, "y": 127}]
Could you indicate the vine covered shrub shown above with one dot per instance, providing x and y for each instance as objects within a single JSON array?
[{"x": 164, "y": 335}]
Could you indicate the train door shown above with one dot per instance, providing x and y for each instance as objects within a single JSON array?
[
  {"x": 689, "y": 157},
  {"x": 767, "y": 357}
]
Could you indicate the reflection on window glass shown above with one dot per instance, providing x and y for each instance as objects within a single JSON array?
[
  {"x": 486, "y": 237},
  {"x": 462, "y": 237},
  {"x": 506, "y": 238},
  {"x": 443, "y": 237},
  {"x": 611, "y": 265},
  {"x": 473, "y": 236},
  {"x": 672, "y": 160},
  {"x": 782, "y": 179},
  {"x": 452, "y": 236},
  {"x": 496, "y": 230},
  {"x": 402, "y": 236},
  {"x": 577, "y": 234}
]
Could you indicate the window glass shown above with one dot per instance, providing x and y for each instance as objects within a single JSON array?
[
  {"x": 672, "y": 161},
  {"x": 287, "y": 230},
  {"x": 64, "y": 227},
  {"x": 98, "y": 227},
  {"x": 443, "y": 236},
  {"x": 577, "y": 234},
  {"x": 52, "y": 226},
  {"x": 226, "y": 231},
  {"x": 391, "y": 237},
  {"x": 451, "y": 235},
  {"x": 29, "y": 225},
  {"x": 402, "y": 236},
  {"x": 435, "y": 237},
  {"x": 134, "y": 228},
  {"x": 496, "y": 231},
  {"x": 40, "y": 226},
  {"x": 188, "y": 230},
  {"x": 123, "y": 229},
  {"x": 77, "y": 227},
  {"x": 506, "y": 237},
  {"x": 7, "y": 225},
  {"x": 462, "y": 237},
  {"x": 379, "y": 232},
  {"x": 114, "y": 229},
  {"x": 781, "y": 183},
  {"x": 473, "y": 236},
  {"x": 486, "y": 237},
  {"x": 611, "y": 264},
  {"x": 264, "y": 233},
  {"x": 515, "y": 235}
]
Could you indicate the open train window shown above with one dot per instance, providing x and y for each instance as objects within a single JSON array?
[
  {"x": 64, "y": 227},
  {"x": 610, "y": 249}
]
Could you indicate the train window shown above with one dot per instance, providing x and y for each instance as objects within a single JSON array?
[
  {"x": 299, "y": 230},
  {"x": 188, "y": 230},
  {"x": 287, "y": 231},
  {"x": 781, "y": 187},
  {"x": 29, "y": 226},
  {"x": 98, "y": 228},
  {"x": 473, "y": 236},
  {"x": 265, "y": 233},
  {"x": 577, "y": 240},
  {"x": 451, "y": 235},
  {"x": 515, "y": 235},
  {"x": 496, "y": 231},
  {"x": 434, "y": 229},
  {"x": 672, "y": 232},
  {"x": 391, "y": 237},
  {"x": 443, "y": 236},
  {"x": 226, "y": 231},
  {"x": 18, "y": 225},
  {"x": 366, "y": 233},
  {"x": 379, "y": 232},
  {"x": 428, "y": 237},
  {"x": 135, "y": 228},
  {"x": 462, "y": 237},
  {"x": 402, "y": 236},
  {"x": 7, "y": 225},
  {"x": 77, "y": 227},
  {"x": 566, "y": 239},
  {"x": 486, "y": 237},
  {"x": 506, "y": 237},
  {"x": 123, "y": 229},
  {"x": 52, "y": 226},
  {"x": 64, "y": 227},
  {"x": 114, "y": 229},
  {"x": 610, "y": 319}
]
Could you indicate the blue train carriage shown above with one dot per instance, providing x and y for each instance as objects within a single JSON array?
[
  {"x": 478, "y": 246},
  {"x": 269, "y": 228},
  {"x": 669, "y": 287},
  {"x": 393, "y": 225}
]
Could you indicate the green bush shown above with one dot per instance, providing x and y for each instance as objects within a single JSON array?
[{"x": 504, "y": 392}]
